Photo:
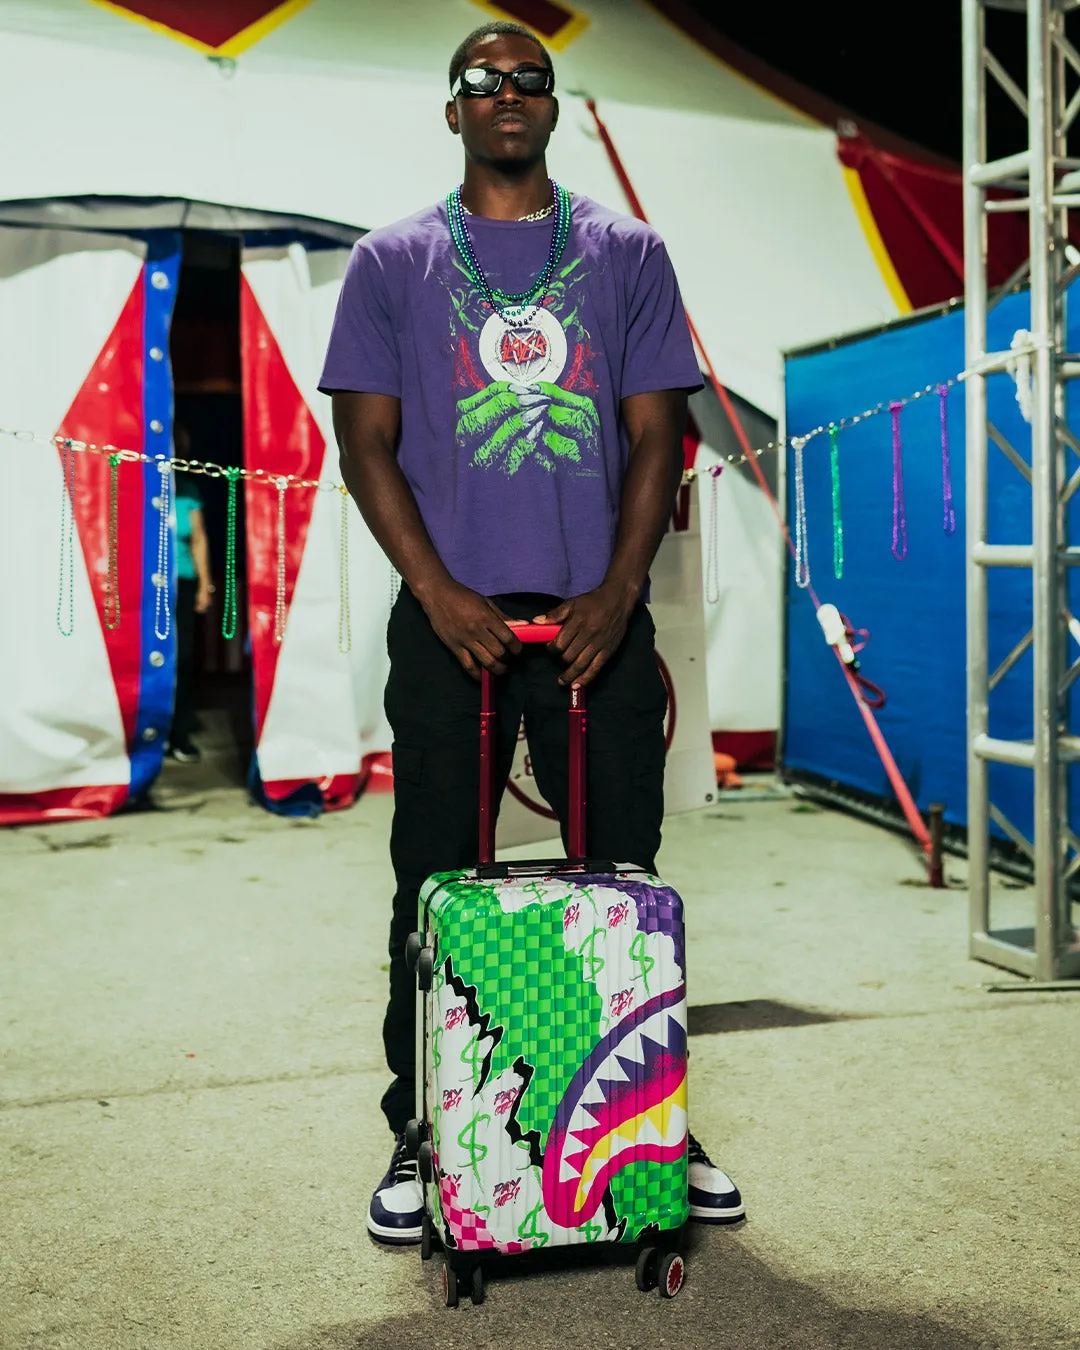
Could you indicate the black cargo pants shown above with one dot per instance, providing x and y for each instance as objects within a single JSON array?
[{"x": 434, "y": 710}]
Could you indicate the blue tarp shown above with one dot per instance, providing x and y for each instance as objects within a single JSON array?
[{"x": 914, "y": 609}]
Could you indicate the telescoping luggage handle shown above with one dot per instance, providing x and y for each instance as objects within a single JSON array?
[{"x": 532, "y": 632}]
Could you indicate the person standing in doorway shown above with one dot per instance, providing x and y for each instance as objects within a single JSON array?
[
  {"x": 509, "y": 372},
  {"x": 193, "y": 591}
]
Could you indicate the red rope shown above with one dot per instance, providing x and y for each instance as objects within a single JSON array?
[{"x": 907, "y": 804}]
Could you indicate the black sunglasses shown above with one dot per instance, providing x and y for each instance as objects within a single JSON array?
[{"x": 485, "y": 81}]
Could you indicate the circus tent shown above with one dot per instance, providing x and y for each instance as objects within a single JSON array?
[{"x": 138, "y": 134}]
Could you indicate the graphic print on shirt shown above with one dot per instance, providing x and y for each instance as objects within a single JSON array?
[{"x": 537, "y": 406}]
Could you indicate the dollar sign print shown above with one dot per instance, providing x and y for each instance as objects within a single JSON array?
[
  {"x": 593, "y": 964},
  {"x": 642, "y": 959},
  {"x": 593, "y": 1232},
  {"x": 528, "y": 1230},
  {"x": 537, "y": 891},
  {"x": 467, "y": 1140},
  {"x": 472, "y": 1057}
]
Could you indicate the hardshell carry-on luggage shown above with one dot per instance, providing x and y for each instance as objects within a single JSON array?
[{"x": 551, "y": 1049}]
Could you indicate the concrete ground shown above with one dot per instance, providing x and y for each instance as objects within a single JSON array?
[{"x": 190, "y": 1004}]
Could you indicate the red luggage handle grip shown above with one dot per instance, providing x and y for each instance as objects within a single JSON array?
[{"x": 534, "y": 633}]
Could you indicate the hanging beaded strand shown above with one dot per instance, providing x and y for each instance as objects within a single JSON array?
[
  {"x": 712, "y": 558},
  {"x": 802, "y": 554},
  {"x": 899, "y": 515},
  {"x": 510, "y": 304},
  {"x": 837, "y": 518},
  {"x": 949, "y": 521},
  {"x": 112, "y": 574},
  {"x": 67, "y": 540},
  {"x": 279, "y": 596},
  {"x": 344, "y": 626},
  {"x": 162, "y": 614},
  {"x": 228, "y": 605}
]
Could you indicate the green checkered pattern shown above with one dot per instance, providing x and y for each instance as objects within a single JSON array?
[
  {"x": 534, "y": 988},
  {"x": 528, "y": 981}
]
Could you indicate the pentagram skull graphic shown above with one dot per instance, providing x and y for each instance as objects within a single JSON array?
[
  {"x": 524, "y": 355},
  {"x": 539, "y": 409}
]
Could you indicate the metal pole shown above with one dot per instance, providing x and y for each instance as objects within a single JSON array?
[
  {"x": 1059, "y": 222},
  {"x": 1048, "y": 950},
  {"x": 937, "y": 845},
  {"x": 1044, "y": 496},
  {"x": 975, "y": 302}
]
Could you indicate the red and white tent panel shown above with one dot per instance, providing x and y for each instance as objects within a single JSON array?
[
  {"x": 317, "y": 692},
  {"x": 86, "y": 694}
]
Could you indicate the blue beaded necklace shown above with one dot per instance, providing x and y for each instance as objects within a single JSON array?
[{"x": 516, "y": 309}]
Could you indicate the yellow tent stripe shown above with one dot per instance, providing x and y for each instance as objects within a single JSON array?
[
  {"x": 247, "y": 37},
  {"x": 255, "y": 32},
  {"x": 873, "y": 238}
]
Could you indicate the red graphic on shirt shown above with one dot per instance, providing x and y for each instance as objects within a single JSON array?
[
  {"x": 521, "y": 346},
  {"x": 465, "y": 373},
  {"x": 578, "y": 378}
]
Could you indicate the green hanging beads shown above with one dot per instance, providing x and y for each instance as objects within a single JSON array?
[
  {"x": 837, "y": 519},
  {"x": 344, "y": 632},
  {"x": 112, "y": 574},
  {"x": 228, "y": 608}
]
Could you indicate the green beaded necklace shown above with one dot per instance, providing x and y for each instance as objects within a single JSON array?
[{"x": 511, "y": 306}]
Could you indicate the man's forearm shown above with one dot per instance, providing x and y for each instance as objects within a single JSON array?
[
  {"x": 386, "y": 502},
  {"x": 648, "y": 497}
]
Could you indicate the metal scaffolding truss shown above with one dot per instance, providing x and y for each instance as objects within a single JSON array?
[{"x": 1047, "y": 184}]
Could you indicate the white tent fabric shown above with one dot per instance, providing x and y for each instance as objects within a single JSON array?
[
  {"x": 325, "y": 710},
  {"x": 335, "y": 118},
  {"x": 742, "y": 562},
  {"x": 62, "y": 729},
  {"x": 337, "y": 115}
]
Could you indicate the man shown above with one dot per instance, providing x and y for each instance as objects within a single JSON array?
[{"x": 509, "y": 373}]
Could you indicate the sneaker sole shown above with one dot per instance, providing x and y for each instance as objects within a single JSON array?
[
  {"x": 702, "y": 1215},
  {"x": 395, "y": 1237}
]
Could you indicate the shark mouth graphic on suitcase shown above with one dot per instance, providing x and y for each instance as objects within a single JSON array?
[{"x": 627, "y": 1103}]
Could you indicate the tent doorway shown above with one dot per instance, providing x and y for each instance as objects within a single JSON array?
[{"x": 205, "y": 354}]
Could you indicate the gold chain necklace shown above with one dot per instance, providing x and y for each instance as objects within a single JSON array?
[{"x": 533, "y": 215}]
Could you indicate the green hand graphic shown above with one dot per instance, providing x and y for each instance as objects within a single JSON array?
[{"x": 537, "y": 422}]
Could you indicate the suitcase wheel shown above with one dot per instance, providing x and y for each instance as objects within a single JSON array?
[
  {"x": 416, "y": 1131},
  {"x": 413, "y": 943},
  {"x": 425, "y": 968},
  {"x": 672, "y": 1275},
  {"x": 449, "y": 1285},
  {"x": 425, "y": 1162},
  {"x": 477, "y": 1285},
  {"x": 427, "y": 1238},
  {"x": 646, "y": 1273}
]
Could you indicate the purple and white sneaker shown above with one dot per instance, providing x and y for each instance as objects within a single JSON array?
[
  {"x": 396, "y": 1213},
  {"x": 714, "y": 1197}
]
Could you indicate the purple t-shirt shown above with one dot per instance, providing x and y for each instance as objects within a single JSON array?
[{"x": 511, "y": 439}]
